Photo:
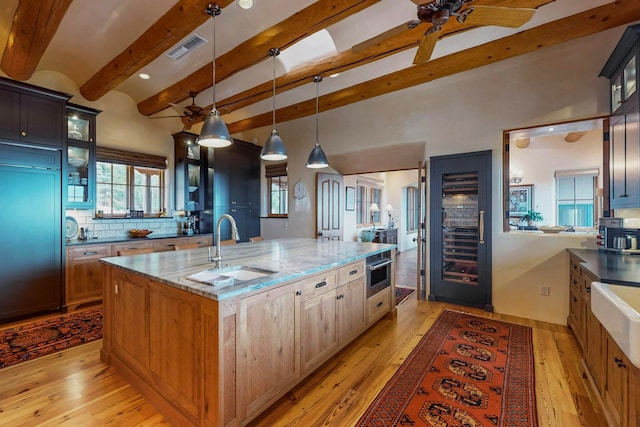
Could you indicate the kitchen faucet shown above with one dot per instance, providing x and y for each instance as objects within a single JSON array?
[{"x": 234, "y": 235}]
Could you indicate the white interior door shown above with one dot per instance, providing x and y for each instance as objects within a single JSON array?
[{"x": 330, "y": 208}]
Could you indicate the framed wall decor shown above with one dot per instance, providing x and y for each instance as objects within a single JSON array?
[
  {"x": 350, "y": 202},
  {"x": 520, "y": 200}
]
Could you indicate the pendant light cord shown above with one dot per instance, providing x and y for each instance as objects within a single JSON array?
[
  {"x": 274, "y": 52},
  {"x": 214, "y": 9},
  {"x": 317, "y": 79}
]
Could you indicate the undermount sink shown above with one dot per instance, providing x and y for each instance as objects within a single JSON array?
[
  {"x": 617, "y": 307},
  {"x": 228, "y": 275}
]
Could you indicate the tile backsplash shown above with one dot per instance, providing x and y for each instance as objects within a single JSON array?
[{"x": 110, "y": 228}]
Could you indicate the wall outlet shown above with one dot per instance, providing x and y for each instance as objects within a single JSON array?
[{"x": 545, "y": 291}]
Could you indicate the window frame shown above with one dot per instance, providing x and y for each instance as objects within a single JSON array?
[
  {"x": 368, "y": 191},
  {"x": 411, "y": 212},
  {"x": 574, "y": 174},
  {"x": 283, "y": 196}
]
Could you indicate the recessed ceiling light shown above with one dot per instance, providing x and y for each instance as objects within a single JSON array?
[
  {"x": 551, "y": 129},
  {"x": 246, "y": 4},
  {"x": 334, "y": 75},
  {"x": 144, "y": 76}
]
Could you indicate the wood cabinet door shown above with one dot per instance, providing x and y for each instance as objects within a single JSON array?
[
  {"x": 266, "y": 348},
  {"x": 595, "y": 352},
  {"x": 625, "y": 170},
  {"x": 634, "y": 397},
  {"x": 41, "y": 120},
  {"x": 352, "y": 313},
  {"x": 577, "y": 316},
  {"x": 318, "y": 330},
  {"x": 130, "y": 330},
  {"x": 84, "y": 274},
  {"x": 617, "y": 385},
  {"x": 9, "y": 115}
]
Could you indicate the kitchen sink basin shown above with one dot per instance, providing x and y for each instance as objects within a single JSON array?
[
  {"x": 617, "y": 308},
  {"x": 228, "y": 275}
]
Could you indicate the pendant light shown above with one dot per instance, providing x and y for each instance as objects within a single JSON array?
[
  {"x": 214, "y": 132},
  {"x": 317, "y": 158},
  {"x": 274, "y": 149}
]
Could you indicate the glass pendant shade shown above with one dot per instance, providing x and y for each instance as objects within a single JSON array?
[
  {"x": 317, "y": 158},
  {"x": 273, "y": 149},
  {"x": 214, "y": 132}
]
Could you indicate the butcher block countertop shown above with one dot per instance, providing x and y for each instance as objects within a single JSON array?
[{"x": 289, "y": 259}]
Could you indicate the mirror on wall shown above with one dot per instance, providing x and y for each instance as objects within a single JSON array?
[{"x": 555, "y": 175}]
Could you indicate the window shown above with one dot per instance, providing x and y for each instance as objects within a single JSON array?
[
  {"x": 368, "y": 191},
  {"x": 576, "y": 192},
  {"x": 412, "y": 209},
  {"x": 129, "y": 181},
  {"x": 278, "y": 184}
]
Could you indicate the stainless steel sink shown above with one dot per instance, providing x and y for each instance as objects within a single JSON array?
[{"x": 229, "y": 275}]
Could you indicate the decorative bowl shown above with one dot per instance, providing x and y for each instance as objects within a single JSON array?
[
  {"x": 554, "y": 229},
  {"x": 139, "y": 233}
]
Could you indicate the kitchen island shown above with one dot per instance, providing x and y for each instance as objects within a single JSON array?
[{"x": 220, "y": 355}]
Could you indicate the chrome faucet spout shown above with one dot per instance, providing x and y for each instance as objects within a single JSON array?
[{"x": 217, "y": 258}]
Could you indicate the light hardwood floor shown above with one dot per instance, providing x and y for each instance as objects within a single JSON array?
[{"x": 74, "y": 387}]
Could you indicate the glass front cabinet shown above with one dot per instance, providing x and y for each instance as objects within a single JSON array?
[{"x": 81, "y": 156}]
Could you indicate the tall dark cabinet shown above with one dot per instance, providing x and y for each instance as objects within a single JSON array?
[
  {"x": 211, "y": 182},
  {"x": 460, "y": 222},
  {"x": 237, "y": 188},
  {"x": 624, "y": 155},
  {"x": 31, "y": 274}
]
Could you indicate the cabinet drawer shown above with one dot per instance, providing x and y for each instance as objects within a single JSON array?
[
  {"x": 88, "y": 252},
  {"x": 168, "y": 244},
  {"x": 575, "y": 281},
  {"x": 318, "y": 284},
  {"x": 351, "y": 272},
  {"x": 130, "y": 245},
  {"x": 574, "y": 263},
  {"x": 378, "y": 305},
  {"x": 202, "y": 241}
]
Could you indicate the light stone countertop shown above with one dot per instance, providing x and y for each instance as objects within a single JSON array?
[{"x": 290, "y": 259}]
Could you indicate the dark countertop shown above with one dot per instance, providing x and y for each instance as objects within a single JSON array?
[
  {"x": 152, "y": 236},
  {"x": 611, "y": 268}
]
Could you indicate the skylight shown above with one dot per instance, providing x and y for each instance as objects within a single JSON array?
[{"x": 316, "y": 46}]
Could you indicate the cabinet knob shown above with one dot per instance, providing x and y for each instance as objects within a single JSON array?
[
  {"x": 298, "y": 293},
  {"x": 321, "y": 284},
  {"x": 352, "y": 272},
  {"x": 378, "y": 305},
  {"x": 23, "y": 133},
  {"x": 341, "y": 296},
  {"x": 619, "y": 362}
]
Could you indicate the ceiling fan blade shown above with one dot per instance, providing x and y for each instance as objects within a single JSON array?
[
  {"x": 427, "y": 44},
  {"x": 180, "y": 109},
  {"x": 500, "y": 16},
  {"x": 419, "y": 2},
  {"x": 574, "y": 136},
  {"x": 381, "y": 37},
  {"x": 164, "y": 117}
]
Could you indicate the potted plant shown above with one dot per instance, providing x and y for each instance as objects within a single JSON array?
[{"x": 532, "y": 216}]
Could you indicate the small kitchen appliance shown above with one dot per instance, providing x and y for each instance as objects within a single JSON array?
[{"x": 619, "y": 235}]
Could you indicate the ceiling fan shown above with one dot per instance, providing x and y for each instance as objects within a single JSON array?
[
  {"x": 438, "y": 12},
  {"x": 189, "y": 114}
]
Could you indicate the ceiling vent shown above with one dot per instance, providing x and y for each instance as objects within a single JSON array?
[{"x": 188, "y": 44}]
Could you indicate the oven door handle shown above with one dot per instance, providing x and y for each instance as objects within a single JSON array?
[{"x": 379, "y": 265}]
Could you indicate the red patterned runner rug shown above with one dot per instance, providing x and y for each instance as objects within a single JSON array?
[
  {"x": 26, "y": 342},
  {"x": 467, "y": 371}
]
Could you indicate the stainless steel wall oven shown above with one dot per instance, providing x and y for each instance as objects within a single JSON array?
[{"x": 378, "y": 272}]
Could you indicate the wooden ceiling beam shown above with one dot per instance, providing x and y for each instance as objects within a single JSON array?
[
  {"x": 35, "y": 22},
  {"x": 350, "y": 59},
  {"x": 179, "y": 21},
  {"x": 315, "y": 17},
  {"x": 592, "y": 21}
]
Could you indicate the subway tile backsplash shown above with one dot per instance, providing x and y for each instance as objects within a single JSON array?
[{"x": 110, "y": 228}]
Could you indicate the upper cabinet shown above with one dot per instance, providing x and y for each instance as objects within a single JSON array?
[
  {"x": 31, "y": 115},
  {"x": 81, "y": 156},
  {"x": 622, "y": 71},
  {"x": 191, "y": 178}
]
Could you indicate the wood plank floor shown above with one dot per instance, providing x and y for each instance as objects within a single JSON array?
[{"x": 75, "y": 388}]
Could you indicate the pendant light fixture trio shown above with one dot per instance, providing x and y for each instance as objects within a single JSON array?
[
  {"x": 317, "y": 158},
  {"x": 274, "y": 149},
  {"x": 214, "y": 132}
]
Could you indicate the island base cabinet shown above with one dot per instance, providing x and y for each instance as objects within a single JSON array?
[
  {"x": 221, "y": 363},
  {"x": 617, "y": 385},
  {"x": 267, "y": 351}
]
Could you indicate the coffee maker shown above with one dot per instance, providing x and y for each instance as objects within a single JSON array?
[{"x": 619, "y": 235}]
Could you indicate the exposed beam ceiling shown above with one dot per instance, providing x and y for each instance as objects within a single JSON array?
[{"x": 583, "y": 24}]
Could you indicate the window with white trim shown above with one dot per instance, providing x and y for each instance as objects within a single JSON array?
[{"x": 575, "y": 197}]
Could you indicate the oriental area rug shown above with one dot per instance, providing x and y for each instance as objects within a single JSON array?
[
  {"x": 402, "y": 294},
  {"x": 28, "y": 341},
  {"x": 466, "y": 371}
]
